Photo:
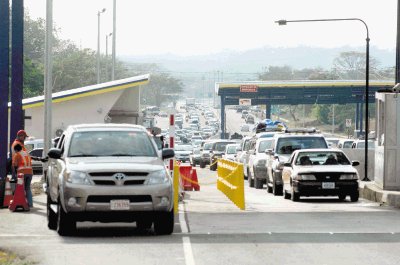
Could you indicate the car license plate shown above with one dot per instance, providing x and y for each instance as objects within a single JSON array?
[
  {"x": 119, "y": 205},
  {"x": 328, "y": 185}
]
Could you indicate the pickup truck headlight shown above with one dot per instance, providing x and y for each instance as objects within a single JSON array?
[
  {"x": 77, "y": 177},
  {"x": 158, "y": 177},
  {"x": 348, "y": 177},
  {"x": 305, "y": 177}
]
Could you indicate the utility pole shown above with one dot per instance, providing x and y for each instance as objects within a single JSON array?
[
  {"x": 398, "y": 44},
  {"x": 98, "y": 44},
  {"x": 114, "y": 38},
  {"x": 48, "y": 79}
]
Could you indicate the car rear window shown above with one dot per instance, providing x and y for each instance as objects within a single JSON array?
[{"x": 287, "y": 145}]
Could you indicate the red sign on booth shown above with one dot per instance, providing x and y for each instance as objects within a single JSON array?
[{"x": 248, "y": 88}]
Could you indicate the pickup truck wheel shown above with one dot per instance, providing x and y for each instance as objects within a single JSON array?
[
  {"x": 51, "y": 215},
  {"x": 213, "y": 167},
  {"x": 202, "y": 165},
  {"x": 65, "y": 224},
  {"x": 342, "y": 197},
  {"x": 258, "y": 183},
  {"x": 164, "y": 223},
  {"x": 286, "y": 195},
  {"x": 276, "y": 189},
  {"x": 250, "y": 179},
  {"x": 295, "y": 195}
]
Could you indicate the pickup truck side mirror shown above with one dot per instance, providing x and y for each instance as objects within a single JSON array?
[
  {"x": 287, "y": 164},
  {"x": 54, "y": 153},
  {"x": 269, "y": 152},
  {"x": 168, "y": 153},
  {"x": 355, "y": 163}
]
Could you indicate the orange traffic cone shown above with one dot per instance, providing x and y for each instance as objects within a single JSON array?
[
  {"x": 8, "y": 196},
  {"x": 19, "y": 199},
  {"x": 195, "y": 183}
]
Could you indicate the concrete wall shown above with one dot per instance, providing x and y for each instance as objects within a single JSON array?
[{"x": 359, "y": 155}]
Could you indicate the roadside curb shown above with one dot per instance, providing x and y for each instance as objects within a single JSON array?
[{"x": 370, "y": 191}]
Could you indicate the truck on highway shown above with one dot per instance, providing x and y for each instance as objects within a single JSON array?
[{"x": 190, "y": 103}]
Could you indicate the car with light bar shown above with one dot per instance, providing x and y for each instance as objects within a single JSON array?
[
  {"x": 320, "y": 172},
  {"x": 108, "y": 173}
]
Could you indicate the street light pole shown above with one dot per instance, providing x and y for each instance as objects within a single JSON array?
[
  {"x": 283, "y": 22},
  {"x": 107, "y": 35},
  {"x": 114, "y": 37},
  {"x": 98, "y": 44}
]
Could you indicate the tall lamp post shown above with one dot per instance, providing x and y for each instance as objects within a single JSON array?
[
  {"x": 107, "y": 35},
  {"x": 98, "y": 43},
  {"x": 284, "y": 22}
]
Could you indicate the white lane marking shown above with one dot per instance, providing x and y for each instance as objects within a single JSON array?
[
  {"x": 182, "y": 220},
  {"x": 27, "y": 235},
  {"x": 187, "y": 249}
]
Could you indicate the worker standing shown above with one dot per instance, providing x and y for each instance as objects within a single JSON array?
[{"x": 22, "y": 163}]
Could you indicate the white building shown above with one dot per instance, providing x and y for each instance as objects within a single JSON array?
[{"x": 116, "y": 101}]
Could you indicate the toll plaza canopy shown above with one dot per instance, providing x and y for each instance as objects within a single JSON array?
[
  {"x": 296, "y": 92},
  {"x": 115, "y": 101}
]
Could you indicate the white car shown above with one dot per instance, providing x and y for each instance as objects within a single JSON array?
[
  {"x": 257, "y": 162},
  {"x": 245, "y": 128},
  {"x": 320, "y": 172},
  {"x": 230, "y": 152}
]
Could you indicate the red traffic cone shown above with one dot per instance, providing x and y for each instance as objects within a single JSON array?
[
  {"x": 19, "y": 199},
  {"x": 8, "y": 196}
]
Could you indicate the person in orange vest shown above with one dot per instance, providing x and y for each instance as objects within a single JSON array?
[{"x": 22, "y": 163}]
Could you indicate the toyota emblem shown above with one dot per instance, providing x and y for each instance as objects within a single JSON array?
[{"x": 119, "y": 176}]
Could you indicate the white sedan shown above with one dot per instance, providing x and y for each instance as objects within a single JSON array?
[{"x": 320, "y": 172}]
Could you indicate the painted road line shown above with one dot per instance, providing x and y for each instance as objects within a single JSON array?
[
  {"x": 182, "y": 220},
  {"x": 187, "y": 249}
]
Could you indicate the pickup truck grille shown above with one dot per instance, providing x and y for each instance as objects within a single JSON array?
[
  {"x": 113, "y": 183},
  {"x": 107, "y": 199},
  {"x": 109, "y": 174}
]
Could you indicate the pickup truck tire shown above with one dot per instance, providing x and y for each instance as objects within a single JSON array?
[
  {"x": 250, "y": 179},
  {"x": 213, "y": 167},
  {"x": 66, "y": 225},
  {"x": 258, "y": 183},
  {"x": 164, "y": 223},
  {"x": 51, "y": 215},
  {"x": 342, "y": 197},
  {"x": 276, "y": 189},
  {"x": 202, "y": 165},
  {"x": 286, "y": 195},
  {"x": 295, "y": 195}
]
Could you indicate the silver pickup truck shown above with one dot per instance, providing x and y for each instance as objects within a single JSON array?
[{"x": 109, "y": 173}]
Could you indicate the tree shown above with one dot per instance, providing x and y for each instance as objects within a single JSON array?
[
  {"x": 277, "y": 73},
  {"x": 351, "y": 65}
]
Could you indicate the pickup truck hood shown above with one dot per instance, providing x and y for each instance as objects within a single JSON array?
[
  {"x": 283, "y": 158},
  {"x": 138, "y": 163}
]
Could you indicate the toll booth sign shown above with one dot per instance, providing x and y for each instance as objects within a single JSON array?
[{"x": 248, "y": 88}]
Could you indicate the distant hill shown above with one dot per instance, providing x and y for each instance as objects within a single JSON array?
[
  {"x": 198, "y": 73},
  {"x": 253, "y": 61}
]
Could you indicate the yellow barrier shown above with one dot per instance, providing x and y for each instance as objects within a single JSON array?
[
  {"x": 176, "y": 188},
  {"x": 230, "y": 181}
]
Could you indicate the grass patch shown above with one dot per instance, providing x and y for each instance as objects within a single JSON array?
[{"x": 9, "y": 258}]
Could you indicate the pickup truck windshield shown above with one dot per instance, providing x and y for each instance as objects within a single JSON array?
[
  {"x": 111, "y": 143},
  {"x": 287, "y": 145}
]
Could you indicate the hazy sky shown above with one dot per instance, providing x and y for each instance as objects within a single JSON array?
[{"x": 188, "y": 27}]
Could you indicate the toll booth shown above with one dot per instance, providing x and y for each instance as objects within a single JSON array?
[{"x": 387, "y": 148}]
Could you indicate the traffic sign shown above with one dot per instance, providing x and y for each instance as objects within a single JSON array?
[
  {"x": 348, "y": 123},
  {"x": 248, "y": 88},
  {"x": 244, "y": 101}
]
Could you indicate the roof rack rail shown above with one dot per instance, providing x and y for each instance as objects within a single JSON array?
[{"x": 301, "y": 130}]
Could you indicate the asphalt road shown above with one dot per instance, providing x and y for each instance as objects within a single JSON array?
[{"x": 209, "y": 229}]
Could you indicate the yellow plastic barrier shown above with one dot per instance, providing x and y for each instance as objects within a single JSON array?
[
  {"x": 230, "y": 181},
  {"x": 176, "y": 187}
]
